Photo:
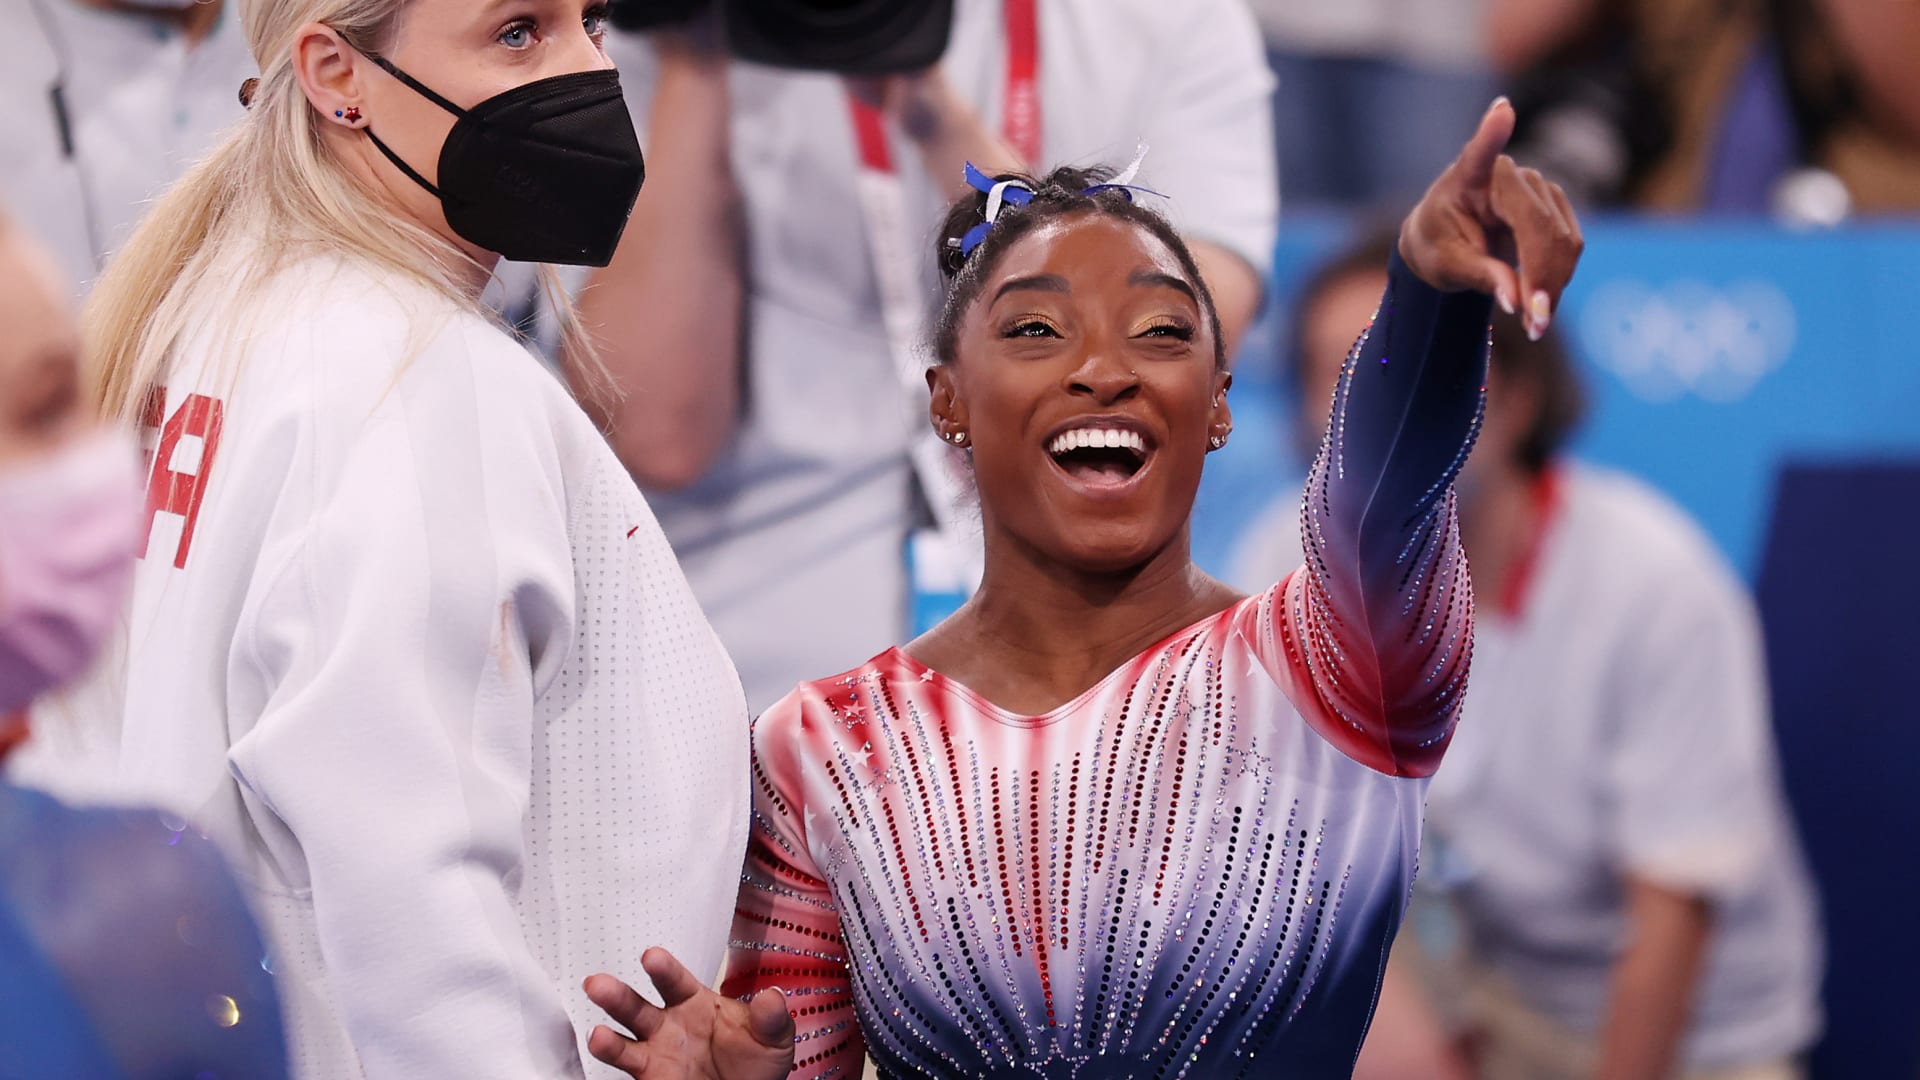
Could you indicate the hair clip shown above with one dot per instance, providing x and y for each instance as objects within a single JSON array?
[
  {"x": 247, "y": 90},
  {"x": 999, "y": 193},
  {"x": 1003, "y": 193}
]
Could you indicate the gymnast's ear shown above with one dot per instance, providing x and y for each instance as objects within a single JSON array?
[{"x": 945, "y": 408}]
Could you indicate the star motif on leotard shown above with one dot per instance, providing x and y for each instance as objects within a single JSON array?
[
  {"x": 926, "y": 676},
  {"x": 854, "y": 711},
  {"x": 1249, "y": 762},
  {"x": 1182, "y": 711},
  {"x": 839, "y": 855},
  {"x": 884, "y": 774},
  {"x": 852, "y": 714}
]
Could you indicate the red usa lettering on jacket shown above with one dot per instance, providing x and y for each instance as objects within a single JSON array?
[{"x": 176, "y": 480}]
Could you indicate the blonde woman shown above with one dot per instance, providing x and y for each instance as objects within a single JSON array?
[{"x": 405, "y": 638}]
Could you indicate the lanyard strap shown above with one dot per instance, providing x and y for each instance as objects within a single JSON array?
[
  {"x": 890, "y": 239},
  {"x": 1021, "y": 119}
]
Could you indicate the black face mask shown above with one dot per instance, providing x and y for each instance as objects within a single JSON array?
[{"x": 545, "y": 172}]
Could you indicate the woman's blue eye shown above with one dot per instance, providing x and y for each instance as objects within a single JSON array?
[
  {"x": 596, "y": 24},
  {"x": 517, "y": 36}
]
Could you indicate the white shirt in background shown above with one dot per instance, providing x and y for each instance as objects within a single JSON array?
[
  {"x": 1617, "y": 723},
  {"x": 794, "y": 541},
  {"x": 421, "y": 660},
  {"x": 1449, "y": 35},
  {"x": 141, "y": 106}
]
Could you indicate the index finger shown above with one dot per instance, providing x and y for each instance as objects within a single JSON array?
[
  {"x": 675, "y": 983},
  {"x": 1476, "y": 161}
]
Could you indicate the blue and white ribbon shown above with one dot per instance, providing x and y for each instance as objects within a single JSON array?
[{"x": 1004, "y": 193}]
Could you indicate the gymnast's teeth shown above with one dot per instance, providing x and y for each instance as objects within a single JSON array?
[{"x": 1085, "y": 438}]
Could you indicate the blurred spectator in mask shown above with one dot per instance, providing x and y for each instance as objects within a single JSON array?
[
  {"x": 125, "y": 948},
  {"x": 765, "y": 314},
  {"x": 109, "y": 101},
  {"x": 1808, "y": 109},
  {"x": 1373, "y": 95},
  {"x": 1608, "y": 828}
]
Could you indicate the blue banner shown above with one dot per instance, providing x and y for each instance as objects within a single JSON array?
[{"x": 1713, "y": 354}]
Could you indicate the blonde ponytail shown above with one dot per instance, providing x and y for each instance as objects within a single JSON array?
[{"x": 123, "y": 308}]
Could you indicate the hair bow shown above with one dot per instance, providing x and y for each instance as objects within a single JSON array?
[{"x": 1003, "y": 193}]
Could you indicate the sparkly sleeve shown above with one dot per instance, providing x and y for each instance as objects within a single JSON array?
[
  {"x": 1379, "y": 622},
  {"x": 786, "y": 927}
]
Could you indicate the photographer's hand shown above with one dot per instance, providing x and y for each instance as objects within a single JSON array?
[{"x": 946, "y": 129}]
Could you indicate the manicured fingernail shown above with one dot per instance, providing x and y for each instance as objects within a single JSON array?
[
  {"x": 1541, "y": 308},
  {"x": 1505, "y": 300},
  {"x": 1535, "y": 331},
  {"x": 1499, "y": 101}
]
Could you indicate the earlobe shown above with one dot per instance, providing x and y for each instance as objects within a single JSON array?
[
  {"x": 949, "y": 416},
  {"x": 1221, "y": 426}
]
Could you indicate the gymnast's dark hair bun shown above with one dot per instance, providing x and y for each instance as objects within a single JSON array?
[{"x": 1061, "y": 190}]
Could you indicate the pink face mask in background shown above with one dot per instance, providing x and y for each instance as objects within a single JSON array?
[{"x": 68, "y": 528}]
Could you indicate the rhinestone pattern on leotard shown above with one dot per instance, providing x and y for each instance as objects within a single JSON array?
[{"x": 1173, "y": 876}]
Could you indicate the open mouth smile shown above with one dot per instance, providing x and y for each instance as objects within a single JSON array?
[{"x": 1101, "y": 457}]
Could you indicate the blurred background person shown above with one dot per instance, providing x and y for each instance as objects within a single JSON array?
[
  {"x": 1809, "y": 109},
  {"x": 405, "y": 639},
  {"x": 765, "y": 318},
  {"x": 111, "y": 100},
  {"x": 1608, "y": 826},
  {"x": 125, "y": 947},
  {"x": 1371, "y": 95}
]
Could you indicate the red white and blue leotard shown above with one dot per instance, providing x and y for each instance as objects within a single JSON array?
[{"x": 1193, "y": 869}]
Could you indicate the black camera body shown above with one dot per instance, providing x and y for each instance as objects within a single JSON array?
[{"x": 847, "y": 37}]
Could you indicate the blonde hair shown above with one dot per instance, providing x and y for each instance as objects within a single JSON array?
[{"x": 274, "y": 177}]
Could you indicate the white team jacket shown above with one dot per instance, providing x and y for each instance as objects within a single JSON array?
[{"x": 408, "y": 642}]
